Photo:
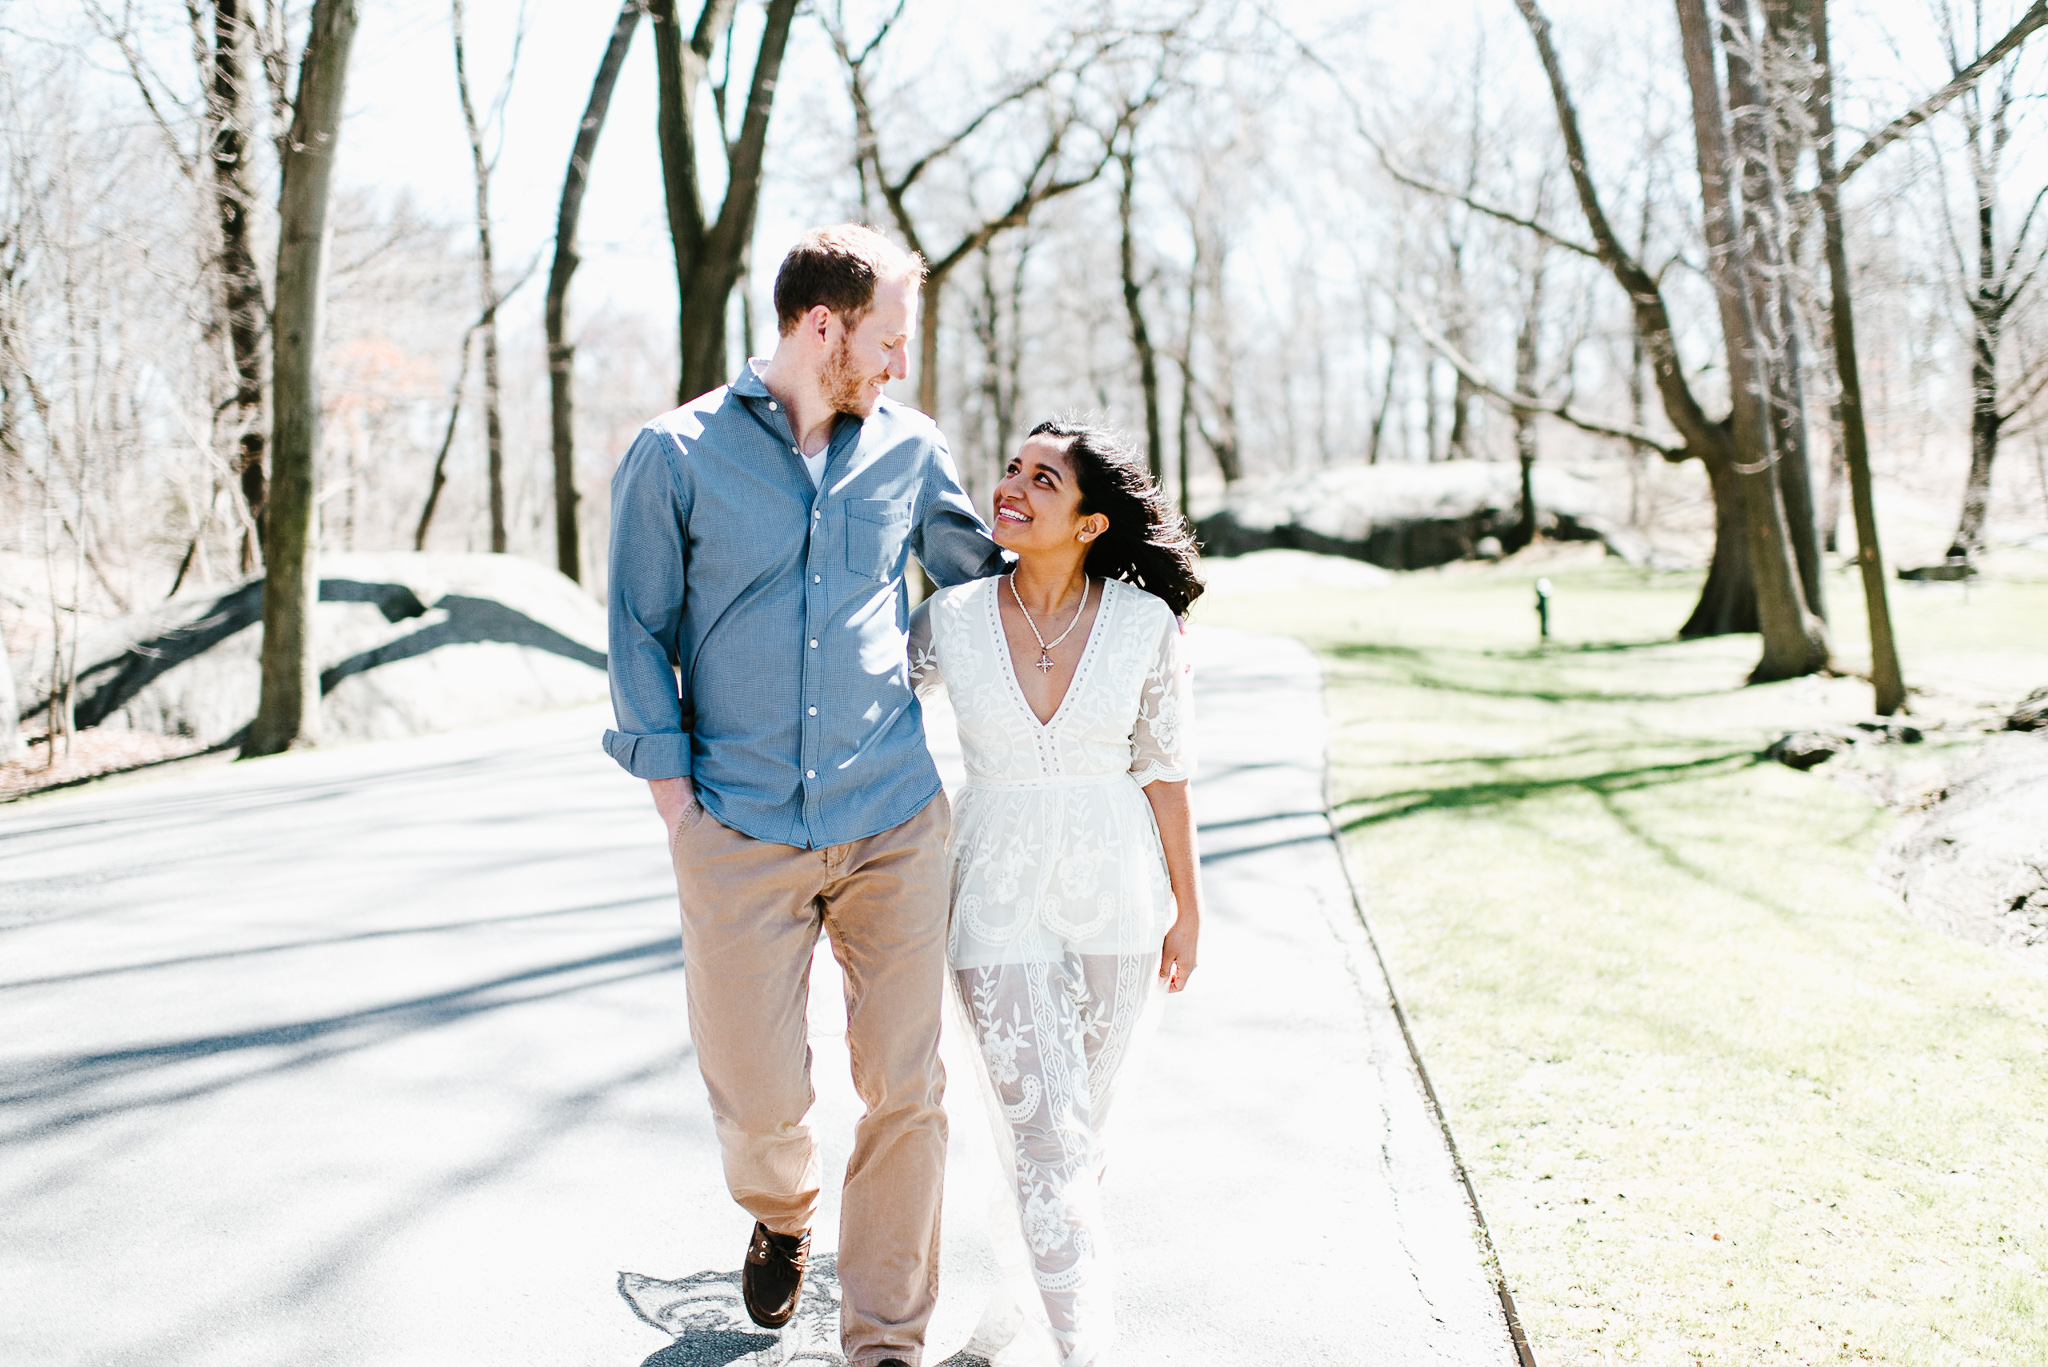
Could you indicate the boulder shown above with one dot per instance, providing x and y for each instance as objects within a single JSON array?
[
  {"x": 2031, "y": 714},
  {"x": 1412, "y": 516},
  {"x": 1974, "y": 861},
  {"x": 407, "y": 644},
  {"x": 1803, "y": 750}
]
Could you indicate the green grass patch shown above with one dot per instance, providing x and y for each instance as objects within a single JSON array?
[{"x": 1722, "y": 1101}]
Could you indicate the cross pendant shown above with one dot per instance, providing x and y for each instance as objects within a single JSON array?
[{"x": 1044, "y": 663}]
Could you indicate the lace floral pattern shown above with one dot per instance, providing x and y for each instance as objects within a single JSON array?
[{"x": 1060, "y": 899}]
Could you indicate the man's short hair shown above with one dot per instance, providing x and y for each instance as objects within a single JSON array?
[{"x": 839, "y": 267}]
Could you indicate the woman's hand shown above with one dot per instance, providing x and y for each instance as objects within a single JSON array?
[
  {"x": 1175, "y": 818},
  {"x": 1177, "y": 955}
]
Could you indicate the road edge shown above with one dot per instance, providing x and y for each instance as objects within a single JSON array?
[{"x": 1489, "y": 1255}]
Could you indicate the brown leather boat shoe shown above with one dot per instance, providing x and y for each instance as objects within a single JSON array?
[{"x": 773, "y": 1278}]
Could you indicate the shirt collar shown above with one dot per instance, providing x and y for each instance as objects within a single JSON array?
[{"x": 748, "y": 384}]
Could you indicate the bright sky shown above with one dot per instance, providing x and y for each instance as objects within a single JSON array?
[{"x": 404, "y": 129}]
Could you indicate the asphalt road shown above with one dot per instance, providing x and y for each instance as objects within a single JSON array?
[{"x": 378, "y": 1055}]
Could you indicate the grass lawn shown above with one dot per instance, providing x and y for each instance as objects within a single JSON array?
[{"x": 1722, "y": 1101}]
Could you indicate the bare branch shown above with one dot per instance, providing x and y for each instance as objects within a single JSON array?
[
  {"x": 1527, "y": 402},
  {"x": 2035, "y": 17},
  {"x": 124, "y": 40},
  {"x": 967, "y": 130},
  {"x": 1415, "y": 180},
  {"x": 882, "y": 31},
  {"x": 1423, "y": 183}
]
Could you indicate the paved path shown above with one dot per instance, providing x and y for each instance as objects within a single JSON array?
[{"x": 377, "y": 1056}]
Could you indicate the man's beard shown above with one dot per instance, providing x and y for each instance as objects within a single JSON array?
[{"x": 846, "y": 389}]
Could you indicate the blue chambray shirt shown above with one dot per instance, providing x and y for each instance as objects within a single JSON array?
[{"x": 758, "y": 622}]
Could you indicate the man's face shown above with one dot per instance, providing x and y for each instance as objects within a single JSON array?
[{"x": 872, "y": 353}]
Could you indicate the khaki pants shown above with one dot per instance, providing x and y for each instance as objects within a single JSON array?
[{"x": 752, "y": 911}]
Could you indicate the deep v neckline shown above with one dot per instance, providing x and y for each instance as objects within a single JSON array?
[{"x": 995, "y": 623}]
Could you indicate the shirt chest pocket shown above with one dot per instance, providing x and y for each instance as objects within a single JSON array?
[{"x": 876, "y": 529}]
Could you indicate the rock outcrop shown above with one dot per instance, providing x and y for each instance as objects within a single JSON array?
[
  {"x": 1410, "y": 517},
  {"x": 1974, "y": 862},
  {"x": 408, "y": 644}
]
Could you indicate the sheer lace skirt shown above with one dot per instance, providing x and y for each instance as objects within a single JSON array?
[
  {"x": 1061, "y": 898},
  {"x": 1056, "y": 1038}
]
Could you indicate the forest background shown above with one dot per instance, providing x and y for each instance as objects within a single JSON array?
[{"x": 1266, "y": 239}]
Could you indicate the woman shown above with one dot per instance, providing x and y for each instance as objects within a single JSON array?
[{"x": 1075, "y": 899}]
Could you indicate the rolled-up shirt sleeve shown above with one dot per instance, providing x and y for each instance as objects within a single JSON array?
[
  {"x": 951, "y": 542},
  {"x": 648, "y": 560}
]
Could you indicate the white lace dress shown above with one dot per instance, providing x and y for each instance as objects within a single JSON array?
[{"x": 1060, "y": 901}]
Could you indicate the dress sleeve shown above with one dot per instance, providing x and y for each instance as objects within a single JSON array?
[
  {"x": 1162, "y": 743},
  {"x": 924, "y": 651}
]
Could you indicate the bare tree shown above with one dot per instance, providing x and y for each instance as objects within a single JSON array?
[
  {"x": 2030, "y": 22},
  {"x": 710, "y": 253},
  {"x": 1742, "y": 252},
  {"x": 1218, "y": 426},
  {"x": 997, "y": 318},
  {"x": 223, "y": 48},
  {"x": 229, "y": 117},
  {"x": 1995, "y": 281},
  {"x": 11, "y": 747},
  {"x": 1887, "y": 681},
  {"x": 562, "y": 352},
  {"x": 1047, "y": 175},
  {"x": 287, "y": 711},
  {"x": 1134, "y": 310},
  {"x": 1535, "y": 276},
  {"x": 481, "y": 165}
]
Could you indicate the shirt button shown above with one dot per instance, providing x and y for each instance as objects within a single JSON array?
[
  {"x": 817, "y": 579},
  {"x": 771, "y": 405},
  {"x": 815, "y": 514},
  {"x": 814, "y": 643},
  {"x": 794, "y": 452},
  {"x": 810, "y": 773},
  {"x": 814, "y": 711}
]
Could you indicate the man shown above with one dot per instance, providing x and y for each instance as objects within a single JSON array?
[{"x": 758, "y": 546}]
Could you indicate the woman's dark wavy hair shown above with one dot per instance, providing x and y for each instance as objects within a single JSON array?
[{"x": 1147, "y": 544}]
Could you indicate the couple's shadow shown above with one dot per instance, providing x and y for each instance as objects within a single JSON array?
[{"x": 706, "y": 1317}]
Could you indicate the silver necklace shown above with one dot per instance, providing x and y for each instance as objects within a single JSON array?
[{"x": 1045, "y": 646}]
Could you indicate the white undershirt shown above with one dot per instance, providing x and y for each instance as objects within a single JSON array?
[{"x": 814, "y": 466}]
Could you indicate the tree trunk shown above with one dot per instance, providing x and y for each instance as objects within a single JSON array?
[
  {"x": 1187, "y": 384},
  {"x": 11, "y": 748},
  {"x": 1984, "y": 425},
  {"x": 1525, "y": 420},
  {"x": 288, "y": 711},
  {"x": 561, "y": 352},
  {"x": 928, "y": 300},
  {"x": 1141, "y": 338},
  {"x": 1727, "y": 600},
  {"x": 1987, "y": 314},
  {"x": 1386, "y": 403},
  {"x": 1887, "y": 682},
  {"x": 487, "y": 285},
  {"x": 1764, "y": 226},
  {"x": 1794, "y": 641},
  {"x": 241, "y": 282},
  {"x": 710, "y": 254},
  {"x": 1837, "y": 481}
]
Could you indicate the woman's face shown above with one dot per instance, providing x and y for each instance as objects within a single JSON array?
[{"x": 1038, "y": 503}]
